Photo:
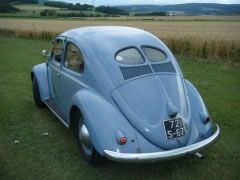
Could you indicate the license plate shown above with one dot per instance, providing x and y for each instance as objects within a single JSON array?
[{"x": 174, "y": 128}]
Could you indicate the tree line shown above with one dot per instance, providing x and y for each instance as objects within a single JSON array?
[
  {"x": 69, "y": 6},
  {"x": 85, "y": 7},
  {"x": 6, "y": 6}
]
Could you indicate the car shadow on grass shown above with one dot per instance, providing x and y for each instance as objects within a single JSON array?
[
  {"x": 171, "y": 168},
  {"x": 165, "y": 169}
]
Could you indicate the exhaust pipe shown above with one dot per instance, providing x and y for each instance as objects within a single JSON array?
[{"x": 199, "y": 155}]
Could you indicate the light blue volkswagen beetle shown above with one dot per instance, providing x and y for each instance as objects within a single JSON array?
[{"x": 123, "y": 94}]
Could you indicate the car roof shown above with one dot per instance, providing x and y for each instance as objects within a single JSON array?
[
  {"x": 104, "y": 32},
  {"x": 111, "y": 38}
]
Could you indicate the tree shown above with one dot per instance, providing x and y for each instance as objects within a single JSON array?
[
  {"x": 110, "y": 10},
  {"x": 48, "y": 12},
  {"x": 5, "y": 6}
]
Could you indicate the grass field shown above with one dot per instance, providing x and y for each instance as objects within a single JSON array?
[
  {"x": 30, "y": 7},
  {"x": 56, "y": 156}
]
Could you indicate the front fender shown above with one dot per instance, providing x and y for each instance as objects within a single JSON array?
[
  {"x": 199, "y": 130},
  {"x": 40, "y": 73},
  {"x": 103, "y": 121}
]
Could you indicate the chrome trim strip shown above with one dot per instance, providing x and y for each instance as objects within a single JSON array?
[
  {"x": 54, "y": 112},
  {"x": 161, "y": 156}
]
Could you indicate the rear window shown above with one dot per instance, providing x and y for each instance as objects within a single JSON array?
[
  {"x": 129, "y": 56},
  {"x": 154, "y": 54}
]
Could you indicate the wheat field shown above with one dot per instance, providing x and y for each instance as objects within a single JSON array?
[{"x": 205, "y": 39}]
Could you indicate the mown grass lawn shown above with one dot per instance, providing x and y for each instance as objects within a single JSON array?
[{"x": 56, "y": 156}]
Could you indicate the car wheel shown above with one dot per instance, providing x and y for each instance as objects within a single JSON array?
[
  {"x": 87, "y": 149},
  {"x": 36, "y": 94}
]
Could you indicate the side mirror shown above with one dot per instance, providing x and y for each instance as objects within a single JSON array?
[{"x": 45, "y": 53}]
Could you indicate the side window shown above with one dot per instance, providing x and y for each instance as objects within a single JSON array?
[
  {"x": 74, "y": 58},
  {"x": 57, "y": 48}
]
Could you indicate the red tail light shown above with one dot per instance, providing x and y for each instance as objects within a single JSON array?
[{"x": 123, "y": 140}]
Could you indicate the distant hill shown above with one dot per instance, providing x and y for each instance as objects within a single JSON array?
[{"x": 186, "y": 9}]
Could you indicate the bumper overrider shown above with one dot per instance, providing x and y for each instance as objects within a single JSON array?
[{"x": 161, "y": 156}]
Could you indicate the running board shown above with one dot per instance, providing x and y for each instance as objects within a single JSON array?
[{"x": 56, "y": 111}]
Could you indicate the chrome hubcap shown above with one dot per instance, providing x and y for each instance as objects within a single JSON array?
[{"x": 84, "y": 139}]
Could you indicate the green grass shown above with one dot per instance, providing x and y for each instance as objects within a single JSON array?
[
  {"x": 30, "y": 7},
  {"x": 56, "y": 156}
]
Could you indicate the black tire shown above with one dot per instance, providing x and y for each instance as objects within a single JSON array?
[
  {"x": 89, "y": 153},
  {"x": 36, "y": 94}
]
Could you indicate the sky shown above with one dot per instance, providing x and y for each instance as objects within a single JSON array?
[{"x": 160, "y": 2}]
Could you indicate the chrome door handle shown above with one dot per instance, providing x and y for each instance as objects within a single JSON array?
[{"x": 58, "y": 74}]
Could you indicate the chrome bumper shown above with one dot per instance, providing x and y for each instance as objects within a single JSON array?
[{"x": 161, "y": 156}]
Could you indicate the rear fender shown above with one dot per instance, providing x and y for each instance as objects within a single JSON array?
[
  {"x": 103, "y": 121},
  {"x": 40, "y": 73},
  {"x": 197, "y": 107}
]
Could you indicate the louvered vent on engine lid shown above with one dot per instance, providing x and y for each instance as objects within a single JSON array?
[
  {"x": 131, "y": 72},
  {"x": 163, "y": 67}
]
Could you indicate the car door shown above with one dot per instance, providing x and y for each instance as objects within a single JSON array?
[
  {"x": 54, "y": 69},
  {"x": 71, "y": 75}
]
